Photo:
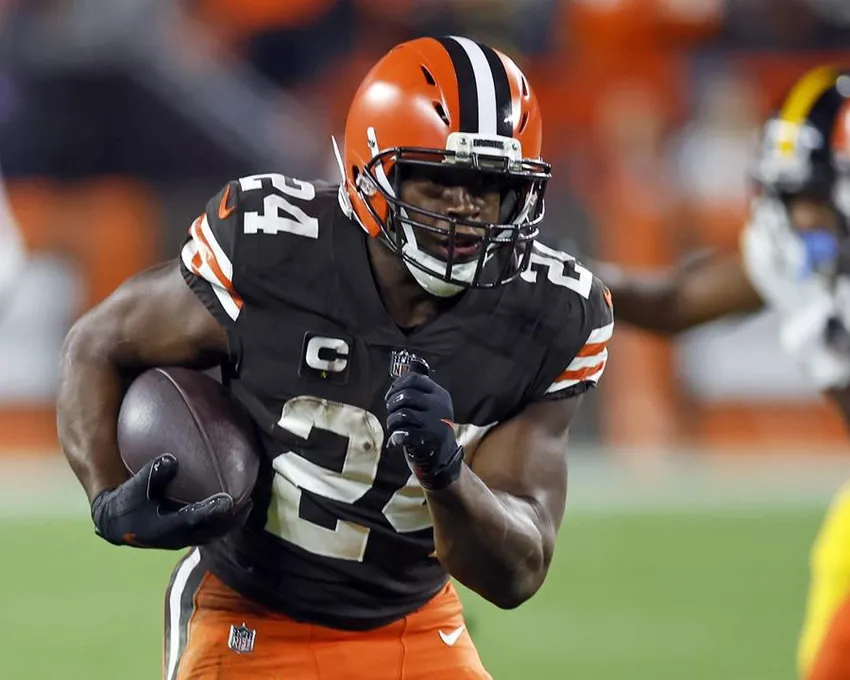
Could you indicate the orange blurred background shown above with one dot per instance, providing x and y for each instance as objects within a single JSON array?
[{"x": 118, "y": 121}]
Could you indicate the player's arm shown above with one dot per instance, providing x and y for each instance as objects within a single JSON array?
[
  {"x": 496, "y": 514},
  {"x": 495, "y": 528},
  {"x": 495, "y": 519},
  {"x": 707, "y": 288},
  {"x": 178, "y": 313},
  {"x": 153, "y": 319}
]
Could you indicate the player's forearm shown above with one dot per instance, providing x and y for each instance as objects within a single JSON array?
[
  {"x": 489, "y": 541},
  {"x": 91, "y": 386},
  {"x": 703, "y": 288},
  {"x": 648, "y": 301}
]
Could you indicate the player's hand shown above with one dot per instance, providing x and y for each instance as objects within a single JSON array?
[
  {"x": 420, "y": 420},
  {"x": 133, "y": 513}
]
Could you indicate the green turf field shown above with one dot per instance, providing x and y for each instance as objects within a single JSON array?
[{"x": 647, "y": 595}]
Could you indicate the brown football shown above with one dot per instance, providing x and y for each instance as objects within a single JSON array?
[{"x": 190, "y": 415}]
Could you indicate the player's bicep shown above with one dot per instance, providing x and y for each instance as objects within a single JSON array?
[{"x": 154, "y": 319}]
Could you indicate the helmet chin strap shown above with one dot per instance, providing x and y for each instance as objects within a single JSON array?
[
  {"x": 342, "y": 196},
  {"x": 429, "y": 282}
]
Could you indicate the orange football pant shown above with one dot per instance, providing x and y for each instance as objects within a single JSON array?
[
  {"x": 833, "y": 659},
  {"x": 201, "y": 611}
]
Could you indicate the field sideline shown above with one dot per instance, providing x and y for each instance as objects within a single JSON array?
[{"x": 694, "y": 569}]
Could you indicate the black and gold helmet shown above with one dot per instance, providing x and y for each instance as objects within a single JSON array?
[
  {"x": 805, "y": 153},
  {"x": 805, "y": 147}
]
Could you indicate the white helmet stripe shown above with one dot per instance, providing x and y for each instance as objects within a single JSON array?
[{"x": 484, "y": 85}]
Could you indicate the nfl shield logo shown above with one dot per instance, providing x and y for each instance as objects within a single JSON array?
[
  {"x": 401, "y": 360},
  {"x": 241, "y": 639}
]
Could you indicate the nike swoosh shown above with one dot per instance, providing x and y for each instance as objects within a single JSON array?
[
  {"x": 451, "y": 638},
  {"x": 223, "y": 210}
]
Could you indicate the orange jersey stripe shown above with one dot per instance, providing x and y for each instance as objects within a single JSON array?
[
  {"x": 208, "y": 256},
  {"x": 592, "y": 348},
  {"x": 581, "y": 373}
]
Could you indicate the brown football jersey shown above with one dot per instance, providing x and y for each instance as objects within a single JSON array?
[{"x": 340, "y": 534}]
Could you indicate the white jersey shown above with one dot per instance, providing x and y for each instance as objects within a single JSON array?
[{"x": 774, "y": 258}]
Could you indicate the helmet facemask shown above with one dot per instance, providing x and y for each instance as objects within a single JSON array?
[{"x": 445, "y": 253}]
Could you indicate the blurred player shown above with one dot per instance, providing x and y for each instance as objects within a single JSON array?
[
  {"x": 12, "y": 251},
  {"x": 379, "y": 480},
  {"x": 794, "y": 258}
]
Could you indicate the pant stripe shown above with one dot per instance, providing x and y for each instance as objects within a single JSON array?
[{"x": 179, "y": 607}]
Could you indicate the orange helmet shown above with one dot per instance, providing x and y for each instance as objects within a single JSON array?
[{"x": 447, "y": 104}]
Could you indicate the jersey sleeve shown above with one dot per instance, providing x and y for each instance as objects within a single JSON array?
[
  {"x": 208, "y": 255},
  {"x": 578, "y": 356},
  {"x": 757, "y": 247}
]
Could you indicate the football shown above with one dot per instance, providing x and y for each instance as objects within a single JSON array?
[{"x": 189, "y": 415}]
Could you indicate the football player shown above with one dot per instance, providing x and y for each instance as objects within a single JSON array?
[
  {"x": 793, "y": 258},
  {"x": 413, "y": 358}
]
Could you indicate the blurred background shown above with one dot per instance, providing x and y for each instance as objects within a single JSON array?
[{"x": 702, "y": 467}]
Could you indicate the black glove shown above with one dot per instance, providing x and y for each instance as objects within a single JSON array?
[
  {"x": 134, "y": 514},
  {"x": 420, "y": 415}
]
